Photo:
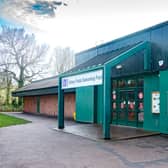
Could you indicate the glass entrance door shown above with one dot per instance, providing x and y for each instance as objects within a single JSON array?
[{"x": 127, "y": 102}]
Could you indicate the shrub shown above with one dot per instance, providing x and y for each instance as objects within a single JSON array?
[{"x": 10, "y": 108}]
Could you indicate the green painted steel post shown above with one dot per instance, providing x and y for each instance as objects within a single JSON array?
[
  {"x": 60, "y": 106},
  {"x": 107, "y": 102},
  {"x": 38, "y": 104}
]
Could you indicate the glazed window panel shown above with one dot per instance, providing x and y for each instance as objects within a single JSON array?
[
  {"x": 122, "y": 95},
  {"x": 122, "y": 83},
  {"x": 114, "y": 95},
  {"x": 122, "y": 115},
  {"x": 141, "y": 106},
  {"x": 128, "y": 101},
  {"x": 114, "y": 86},
  {"x": 114, "y": 115},
  {"x": 123, "y": 105},
  {"x": 140, "y": 94},
  {"x": 131, "y": 96},
  {"x": 131, "y": 116},
  {"x": 131, "y": 105},
  {"x": 114, "y": 107},
  {"x": 140, "y": 82},
  {"x": 141, "y": 116},
  {"x": 131, "y": 83}
]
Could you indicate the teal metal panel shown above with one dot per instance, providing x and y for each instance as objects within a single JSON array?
[
  {"x": 151, "y": 121},
  {"x": 60, "y": 106},
  {"x": 107, "y": 82},
  {"x": 164, "y": 102},
  {"x": 85, "y": 104},
  {"x": 107, "y": 102},
  {"x": 38, "y": 104},
  {"x": 157, "y": 35},
  {"x": 130, "y": 52},
  {"x": 99, "y": 104}
]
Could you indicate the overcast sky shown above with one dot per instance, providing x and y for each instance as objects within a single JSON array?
[{"x": 86, "y": 23}]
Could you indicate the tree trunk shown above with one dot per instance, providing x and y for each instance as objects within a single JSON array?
[
  {"x": 8, "y": 86},
  {"x": 7, "y": 94},
  {"x": 21, "y": 84},
  {"x": 20, "y": 99}
]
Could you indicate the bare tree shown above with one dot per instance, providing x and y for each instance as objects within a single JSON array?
[
  {"x": 25, "y": 58},
  {"x": 5, "y": 76},
  {"x": 62, "y": 60},
  {"x": 6, "y": 83}
]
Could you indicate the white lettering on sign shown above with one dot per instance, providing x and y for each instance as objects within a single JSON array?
[{"x": 85, "y": 79}]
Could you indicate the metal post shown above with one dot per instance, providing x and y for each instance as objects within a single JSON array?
[
  {"x": 60, "y": 106},
  {"x": 107, "y": 102}
]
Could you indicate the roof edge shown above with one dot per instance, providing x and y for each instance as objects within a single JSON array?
[
  {"x": 126, "y": 36},
  {"x": 52, "y": 77},
  {"x": 34, "y": 89}
]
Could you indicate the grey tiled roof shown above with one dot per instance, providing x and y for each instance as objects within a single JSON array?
[{"x": 40, "y": 84}]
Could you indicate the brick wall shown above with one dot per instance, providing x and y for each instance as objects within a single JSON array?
[
  {"x": 30, "y": 104},
  {"x": 49, "y": 104},
  {"x": 69, "y": 105}
]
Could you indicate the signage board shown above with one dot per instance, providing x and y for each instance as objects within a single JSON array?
[
  {"x": 156, "y": 102},
  {"x": 84, "y": 79}
]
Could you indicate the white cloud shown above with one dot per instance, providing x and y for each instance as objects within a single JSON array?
[{"x": 86, "y": 23}]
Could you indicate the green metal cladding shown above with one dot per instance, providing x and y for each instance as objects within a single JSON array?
[
  {"x": 164, "y": 102},
  {"x": 85, "y": 104},
  {"x": 99, "y": 95},
  {"x": 156, "y": 122},
  {"x": 38, "y": 104},
  {"x": 87, "y": 101},
  {"x": 107, "y": 80},
  {"x": 151, "y": 121},
  {"x": 89, "y": 104}
]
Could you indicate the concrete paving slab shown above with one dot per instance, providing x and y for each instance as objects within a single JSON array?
[{"x": 94, "y": 132}]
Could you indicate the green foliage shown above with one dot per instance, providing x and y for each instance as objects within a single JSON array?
[
  {"x": 10, "y": 108},
  {"x": 6, "y": 120},
  {"x": 2, "y": 96},
  {"x": 13, "y": 102}
]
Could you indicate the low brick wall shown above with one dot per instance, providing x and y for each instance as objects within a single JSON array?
[{"x": 49, "y": 105}]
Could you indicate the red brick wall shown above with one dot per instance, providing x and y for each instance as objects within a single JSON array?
[
  {"x": 30, "y": 104},
  {"x": 49, "y": 104},
  {"x": 69, "y": 105}
]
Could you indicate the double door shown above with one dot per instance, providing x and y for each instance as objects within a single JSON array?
[{"x": 127, "y": 102}]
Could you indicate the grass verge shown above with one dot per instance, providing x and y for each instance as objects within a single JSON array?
[{"x": 6, "y": 120}]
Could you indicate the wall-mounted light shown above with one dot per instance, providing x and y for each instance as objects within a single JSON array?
[
  {"x": 119, "y": 66},
  {"x": 161, "y": 62}
]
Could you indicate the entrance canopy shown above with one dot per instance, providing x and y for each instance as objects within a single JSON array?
[{"x": 98, "y": 71}]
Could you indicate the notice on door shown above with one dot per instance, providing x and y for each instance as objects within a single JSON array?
[{"x": 156, "y": 102}]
